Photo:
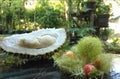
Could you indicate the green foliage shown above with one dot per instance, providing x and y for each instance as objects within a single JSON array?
[
  {"x": 113, "y": 43},
  {"x": 113, "y": 46},
  {"x": 14, "y": 14},
  {"x": 88, "y": 48},
  {"x": 47, "y": 17},
  {"x": 11, "y": 12},
  {"x": 105, "y": 33},
  {"x": 92, "y": 0},
  {"x": 81, "y": 32},
  {"x": 102, "y": 8}
]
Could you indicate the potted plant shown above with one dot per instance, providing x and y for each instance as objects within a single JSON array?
[
  {"x": 102, "y": 14},
  {"x": 77, "y": 33},
  {"x": 105, "y": 33}
]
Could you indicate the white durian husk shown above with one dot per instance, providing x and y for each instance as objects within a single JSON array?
[{"x": 12, "y": 43}]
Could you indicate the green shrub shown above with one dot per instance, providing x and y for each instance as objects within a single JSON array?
[{"x": 47, "y": 17}]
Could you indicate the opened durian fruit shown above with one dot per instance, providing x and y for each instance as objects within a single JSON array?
[{"x": 36, "y": 43}]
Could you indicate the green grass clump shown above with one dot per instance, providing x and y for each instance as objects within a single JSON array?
[{"x": 88, "y": 48}]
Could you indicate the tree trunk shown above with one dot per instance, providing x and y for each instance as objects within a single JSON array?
[{"x": 68, "y": 11}]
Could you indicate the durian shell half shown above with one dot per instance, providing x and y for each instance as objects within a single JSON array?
[{"x": 9, "y": 43}]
